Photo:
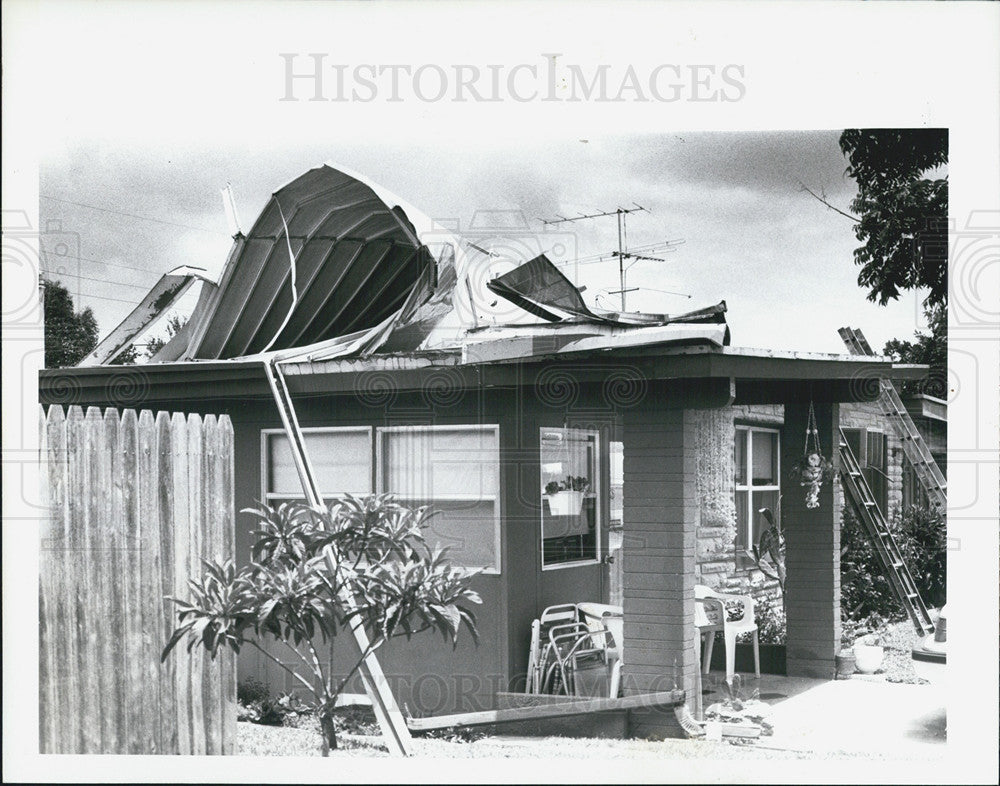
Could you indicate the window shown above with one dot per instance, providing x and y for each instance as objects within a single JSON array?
[
  {"x": 570, "y": 494},
  {"x": 869, "y": 448},
  {"x": 341, "y": 459},
  {"x": 757, "y": 474},
  {"x": 456, "y": 471}
]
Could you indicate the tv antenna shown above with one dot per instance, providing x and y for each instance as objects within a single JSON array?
[{"x": 620, "y": 213}]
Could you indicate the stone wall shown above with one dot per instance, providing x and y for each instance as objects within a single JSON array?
[{"x": 716, "y": 562}]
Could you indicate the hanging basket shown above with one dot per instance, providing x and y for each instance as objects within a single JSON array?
[{"x": 813, "y": 469}]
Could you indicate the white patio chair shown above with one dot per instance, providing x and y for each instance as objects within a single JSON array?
[{"x": 711, "y": 615}]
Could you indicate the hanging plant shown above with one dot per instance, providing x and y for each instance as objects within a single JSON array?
[{"x": 813, "y": 468}]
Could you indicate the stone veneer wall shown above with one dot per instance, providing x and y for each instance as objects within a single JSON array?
[{"x": 716, "y": 564}]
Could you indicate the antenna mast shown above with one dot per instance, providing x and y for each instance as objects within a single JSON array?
[{"x": 620, "y": 213}]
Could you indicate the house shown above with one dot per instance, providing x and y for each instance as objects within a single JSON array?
[{"x": 422, "y": 365}]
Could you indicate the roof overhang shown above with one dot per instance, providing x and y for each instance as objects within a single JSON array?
[{"x": 758, "y": 375}]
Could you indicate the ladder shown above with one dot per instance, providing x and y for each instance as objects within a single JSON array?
[
  {"x": 866, "y": 509},
  {"x": 914, "y": 447}
]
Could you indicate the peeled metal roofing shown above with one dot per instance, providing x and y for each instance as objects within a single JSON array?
[
  {"x": 374, "y": 275},
  {"x": 356, "y": 261}
]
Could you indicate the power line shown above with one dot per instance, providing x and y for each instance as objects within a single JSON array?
[
  {"x": 99, "y": 280},
  {"x": 132, "y": 215},
  {"x": 76, "y": 257}
]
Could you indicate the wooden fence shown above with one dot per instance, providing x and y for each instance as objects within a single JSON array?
[{"x": 136, "y": 503}]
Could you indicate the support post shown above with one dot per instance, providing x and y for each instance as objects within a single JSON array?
[
  {"x": 660, "y": 520},
  {"x": 812, "y": 543}
]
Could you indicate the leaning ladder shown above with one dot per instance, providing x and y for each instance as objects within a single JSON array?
[
  {"x": 914, "y": 447},
  {"x": 871, "y": 518}
]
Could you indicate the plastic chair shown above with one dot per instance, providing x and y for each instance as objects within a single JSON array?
[
  {"x": 708, "y": 616},
  {"x": 709, "y": 622}
]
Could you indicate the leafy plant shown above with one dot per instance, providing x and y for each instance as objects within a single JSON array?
[
  {"x": 572, "y": 483},
  {"x": 250, "y": 690},
  {"x": 316, "y": 572},
  {"x": 865, "y": 590},
  {"x": 769, "y": 550}
]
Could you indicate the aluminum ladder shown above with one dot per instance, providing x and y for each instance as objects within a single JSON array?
[
  {"x": 866, "y": 509},
  {"x": 914, "y": 447}
]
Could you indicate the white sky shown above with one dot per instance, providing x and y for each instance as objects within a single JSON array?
[{"x": 781, "y": 260}]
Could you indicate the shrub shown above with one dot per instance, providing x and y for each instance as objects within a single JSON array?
[
  {"x": 250, "y": 690},
  {"x": 865, "y": 590},
  {"x": 317, "y": 572}
]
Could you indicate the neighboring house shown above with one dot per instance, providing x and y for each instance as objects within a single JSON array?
[{"x": 425, "y": 366}]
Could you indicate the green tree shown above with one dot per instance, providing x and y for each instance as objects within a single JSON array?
[
  {"x": 70, "y": 335},
  {"x": 901, "y": 213},
  {"x": 174, "y": 323},
  {"x": 305, "y": 562},
  {"x": 926, "y": 348}
]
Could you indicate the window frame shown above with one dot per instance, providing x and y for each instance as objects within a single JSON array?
[
  {"x": 598, "y": 507},
  {"x": 881, "y": 494},
  {"x": 379, "y": 464},
  {"x": 744, "y": 545},
  {"x": 265, "y": 455}
]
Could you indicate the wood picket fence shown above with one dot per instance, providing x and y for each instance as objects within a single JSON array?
[{"x": 136, "y": 503}]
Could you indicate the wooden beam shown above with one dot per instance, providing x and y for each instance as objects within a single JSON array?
[{"x": 572, "y": 706}]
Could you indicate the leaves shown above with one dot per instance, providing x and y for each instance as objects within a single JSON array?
[
  {"x": 902, "y": 215},
  {"x": 314, "y": 571}
]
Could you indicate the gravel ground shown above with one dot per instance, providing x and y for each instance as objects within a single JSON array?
[
  {"x": 256, "y": 740},
  {"x": 898, "y": 639}
]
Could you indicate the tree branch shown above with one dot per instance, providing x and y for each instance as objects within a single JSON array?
[
  {"x": 821, "y": 199},
  {"x": 294, "y": 673}
]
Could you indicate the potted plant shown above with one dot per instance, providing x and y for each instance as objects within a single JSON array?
[
  {"x": 565, "y": 497},
  {"x": 869, "y": 653},
  {"x": 813, "y": 468},
  {"x": 845, "y": 661}
]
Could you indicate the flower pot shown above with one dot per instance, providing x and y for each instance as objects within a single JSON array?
[
  {"x": 846, "y": 663},
  {"x": 868, "y": 657},
  {"x": 565, "y": 503}
]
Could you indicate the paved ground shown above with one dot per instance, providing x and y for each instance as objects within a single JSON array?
[{"x": 856, "y": 715}]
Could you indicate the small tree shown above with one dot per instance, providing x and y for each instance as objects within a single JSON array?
[{"x": 314, "y": 573}]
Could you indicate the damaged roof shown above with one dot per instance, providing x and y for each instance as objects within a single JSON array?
[{"x": 336, "y": 267}]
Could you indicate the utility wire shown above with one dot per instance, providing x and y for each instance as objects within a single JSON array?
[{"x": 133, "y": 215}]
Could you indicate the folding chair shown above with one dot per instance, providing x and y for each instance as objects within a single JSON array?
[{"x": 553, "y": 615}]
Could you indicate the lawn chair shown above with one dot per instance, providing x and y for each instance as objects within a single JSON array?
[
  {"x": 574, "y": 666},
  {"x": 706, "y": 598},
  {"x": 553, "y": 615}
]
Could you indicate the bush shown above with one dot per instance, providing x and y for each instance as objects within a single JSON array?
[
  {"x": 865, "y": 590},
  {"x": 250, "y": 690}
]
